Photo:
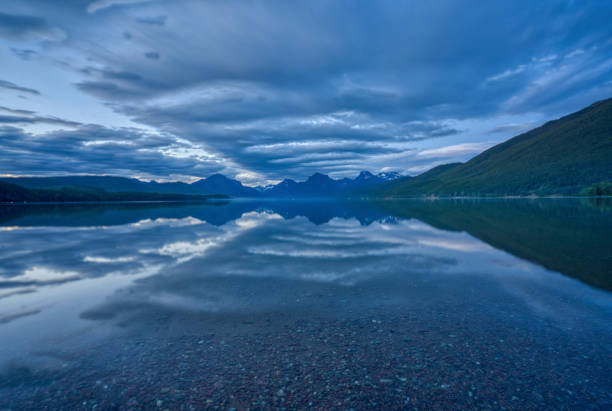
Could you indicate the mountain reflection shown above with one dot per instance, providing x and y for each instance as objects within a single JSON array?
[{"x": 568, "y": 236}]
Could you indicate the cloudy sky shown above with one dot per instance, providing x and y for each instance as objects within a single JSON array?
[{"x": 263, "y": 90}]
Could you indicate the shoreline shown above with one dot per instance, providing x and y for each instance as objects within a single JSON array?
[{"x": 310, "y": 199}]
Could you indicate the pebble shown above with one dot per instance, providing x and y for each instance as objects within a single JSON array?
[{"x": 275, "y": 367}]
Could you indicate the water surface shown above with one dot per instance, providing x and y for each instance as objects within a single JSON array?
[{"x": 419, "y": 304}]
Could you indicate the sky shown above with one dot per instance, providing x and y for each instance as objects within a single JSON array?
[{"x": 266, "y": 90}]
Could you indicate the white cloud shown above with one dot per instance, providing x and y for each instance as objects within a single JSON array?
[
  {"x": 508, "y": 73},
  {"x": 455, "y": 150},
  {"x": 103, "y": 4}
]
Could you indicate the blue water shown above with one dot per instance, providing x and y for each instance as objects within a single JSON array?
[{"x": 307, "y": 304}]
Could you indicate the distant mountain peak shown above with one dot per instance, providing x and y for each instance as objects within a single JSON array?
[
  {"x": 218, "y": 183},
  {"x": 287, "y": 181},
  {"x": 389, "y": 175},
  {"x": 365, "y": 175},
  {"x": 263, "y": 189},
  {"x": 318, "y": 177},
  {"x": 218, "y": 177}
]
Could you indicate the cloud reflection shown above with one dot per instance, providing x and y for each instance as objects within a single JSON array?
[{"x": 153, "y": 263}]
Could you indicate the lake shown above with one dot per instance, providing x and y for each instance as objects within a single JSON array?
[{"x": 324, "y": 304}]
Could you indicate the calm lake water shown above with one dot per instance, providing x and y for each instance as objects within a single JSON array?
[{"x": 411, "y": 304}]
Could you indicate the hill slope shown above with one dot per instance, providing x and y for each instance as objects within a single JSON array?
[
  {"x": 215, "y": 184},
  {"x": 11, "y": 193},
  {"x": 564, "y": 156}
]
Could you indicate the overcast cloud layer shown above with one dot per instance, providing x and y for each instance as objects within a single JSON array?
[{"x": 267, "y": 90}]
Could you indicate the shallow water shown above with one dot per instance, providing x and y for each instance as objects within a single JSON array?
[{"x": 424, "y": 304}]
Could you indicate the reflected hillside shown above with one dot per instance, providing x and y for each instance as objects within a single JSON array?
[
  {"x": 81, "y": 215},
  {"x": 568, "y": 236}
]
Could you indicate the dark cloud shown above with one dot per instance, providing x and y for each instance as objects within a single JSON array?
[
  {"x": 106, "y": 89},
  {"x": 25, "y": 117},
  {"x": 25, "y": 27},
  {"x": 153, "y": 55},
  {"x": 8, "y": 119},
  {"x": 17, "y": 111},
  {"x": 12, "y": 86},
  {"x": 154, "y": 21},
  {"x": 110, "y": 84},
  {"x": 24, "y": 54},
  {"x": 20, "y": 25}
]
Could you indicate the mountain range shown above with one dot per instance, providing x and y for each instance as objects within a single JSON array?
[
  {"x": 568, "y": 156},
  {"x": 317, "y": 185},
  {"x": 321, "y": 185}
]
